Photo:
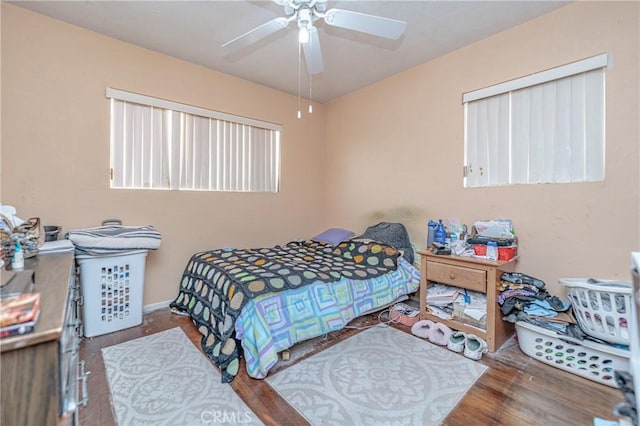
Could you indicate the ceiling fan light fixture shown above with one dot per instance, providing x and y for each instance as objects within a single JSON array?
[
  {"x": 305, "y": 13},
  {"x": 303, "y": 35}
]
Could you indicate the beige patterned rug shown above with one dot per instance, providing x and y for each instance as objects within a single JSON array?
[
  {"x": 163, "y": 379},
  {"x": 381, "y": 376}
]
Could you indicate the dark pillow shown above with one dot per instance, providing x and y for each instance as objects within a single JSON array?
[{"x": 391, "y": 234}]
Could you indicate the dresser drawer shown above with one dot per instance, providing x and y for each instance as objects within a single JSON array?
[{"x": 459, "y": 276}]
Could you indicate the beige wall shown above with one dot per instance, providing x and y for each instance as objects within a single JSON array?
[
  {"x": 0, "y": 107},
  {"x": 393, "y": 151},
  {"x": 395, "y": 148},
  {"x": 55, "y": 145}
]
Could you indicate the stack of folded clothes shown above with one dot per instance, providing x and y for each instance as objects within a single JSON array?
[{"x": 525, "y": 298}]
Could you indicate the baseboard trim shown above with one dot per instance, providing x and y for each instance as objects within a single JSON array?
[{"x": 155, "y": 306}]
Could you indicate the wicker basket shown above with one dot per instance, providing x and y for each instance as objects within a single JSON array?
[
  {"x": 29, "y": 234},
  {"x": 602, "y": 307},
  {"x": 6, "y": 242}
]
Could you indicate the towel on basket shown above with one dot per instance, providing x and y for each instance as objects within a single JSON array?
[{"x": 114, "y": 239}]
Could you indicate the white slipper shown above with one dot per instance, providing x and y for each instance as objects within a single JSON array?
[
  {"x": 422, "y": 328},
  {"x": 440, "y": 334},
  {"x": 456, "y": 341},
  {"x": 474, "y": 347}
]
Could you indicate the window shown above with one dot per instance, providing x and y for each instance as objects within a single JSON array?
[
  {"x": 547, "y": 127},
  {"x": 158, "y": 144}
]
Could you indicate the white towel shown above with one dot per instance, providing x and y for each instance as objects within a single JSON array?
[
  {"x": 115, "y": 238},
  {"x": 58, "y": 246}
]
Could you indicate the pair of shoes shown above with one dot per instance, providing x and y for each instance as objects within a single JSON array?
[
  {"x": 471, "y": 345},
  {"x": 434, "y": 331}
]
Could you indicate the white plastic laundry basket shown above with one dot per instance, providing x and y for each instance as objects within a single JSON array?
[
  {"x": 602, "y": 307},
  {"x": 588, "y": 359},
  {"x": 112, "y": 289}
]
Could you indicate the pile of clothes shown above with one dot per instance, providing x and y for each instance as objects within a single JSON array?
[{"x": 525, "y": 298}]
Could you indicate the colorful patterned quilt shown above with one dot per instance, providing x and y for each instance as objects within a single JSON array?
[
  {"x": 217, "y": 284},
  {"x": 274, "y": 322}
]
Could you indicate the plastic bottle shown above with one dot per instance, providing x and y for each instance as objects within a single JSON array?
[
  {"x": 492, "y": 250},
  {"x": 440, "y": 234},
  {"x": 18, "y": 257},
  {"x": 431, "y": 232}
]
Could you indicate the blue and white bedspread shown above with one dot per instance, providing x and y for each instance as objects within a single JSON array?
[{"x": 273, "y": 322}]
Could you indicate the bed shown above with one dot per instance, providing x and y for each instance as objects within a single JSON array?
[{"x": 258, "y": 302}]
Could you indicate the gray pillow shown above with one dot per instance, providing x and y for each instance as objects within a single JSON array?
[{"x": 391, "y": 234}]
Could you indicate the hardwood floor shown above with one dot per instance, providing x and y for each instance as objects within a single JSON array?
[{"x": 515, "y": 390}]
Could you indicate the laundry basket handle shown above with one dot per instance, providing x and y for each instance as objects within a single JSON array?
[{"x": 112, "y": 222}]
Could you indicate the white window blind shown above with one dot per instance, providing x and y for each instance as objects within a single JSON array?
[
  {"x": 158, "y": 144},
  {"x": 543, "y": 128}
]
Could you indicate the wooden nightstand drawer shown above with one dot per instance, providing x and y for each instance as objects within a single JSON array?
[{"x": 472, "y": 279}]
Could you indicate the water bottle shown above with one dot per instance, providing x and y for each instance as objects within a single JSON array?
[
  {"x": 492, "y": 250},
  {"x": 18, "y": 257},
  {"x": 440, "y": 234},
  {"x": 431, "y": 232}
]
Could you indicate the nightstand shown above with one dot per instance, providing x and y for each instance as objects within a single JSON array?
[{"x": 473, "y": 274}]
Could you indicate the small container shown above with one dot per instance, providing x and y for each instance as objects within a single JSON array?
[
  {"x": 492, "y": 250},
  {"x": 51, "y": 233},
  {"x": 18, "y": 257},
  {"x": 441, "y": 234},
  {"x": 505, "y": 253},
  {"x": 431, "y": 232}
]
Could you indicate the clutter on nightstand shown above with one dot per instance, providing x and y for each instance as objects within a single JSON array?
[{"x": 493, "y": 240}]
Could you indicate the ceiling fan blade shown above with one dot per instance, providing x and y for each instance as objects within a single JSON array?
[
  {"x": 313, "y": 53},
  {"x": 258, "y": 33},
  {"x": 365, "y": 23}
]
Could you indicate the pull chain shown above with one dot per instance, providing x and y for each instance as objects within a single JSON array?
[
  {"x": 310, "y": 85},
  {"x": 299, "y": 53},
  {"x": 310, "y": 77}
]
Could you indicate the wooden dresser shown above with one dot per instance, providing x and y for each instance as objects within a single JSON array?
[
  {"x": 472, "y": 274},
  {"x": 40, "y": 372}
]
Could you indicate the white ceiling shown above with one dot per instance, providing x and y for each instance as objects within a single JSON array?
[{"x": 195, "y": 30}]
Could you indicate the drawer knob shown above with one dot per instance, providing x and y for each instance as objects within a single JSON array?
[{"x": 452, "y": 276}]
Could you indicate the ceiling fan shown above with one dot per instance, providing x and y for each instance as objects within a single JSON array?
[{"x": 305, "y": 13}]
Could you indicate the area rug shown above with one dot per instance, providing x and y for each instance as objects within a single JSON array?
[
  {"x": 163, "y": 379},
  {"x": 381, "y": 376}
]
